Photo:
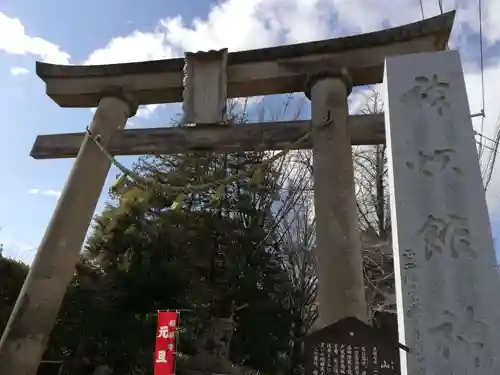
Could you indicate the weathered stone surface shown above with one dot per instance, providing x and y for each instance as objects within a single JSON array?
[
  {"x": 205, "y": 87},
  {"x": 364, "y": 129},
  {"x": 446, "y": 281},
  {"x": 341, "y": 291}
]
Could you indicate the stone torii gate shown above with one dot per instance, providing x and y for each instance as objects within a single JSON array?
[{"x": 325, "y": 70}]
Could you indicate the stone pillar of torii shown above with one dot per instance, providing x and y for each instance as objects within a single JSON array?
[
  {"x": 31, "y": 321},
  {"x": 446, "y": 281},
  {"x": 341, "y": 291}
]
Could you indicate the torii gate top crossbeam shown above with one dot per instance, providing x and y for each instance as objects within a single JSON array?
[{"x": 256, "y": 72}]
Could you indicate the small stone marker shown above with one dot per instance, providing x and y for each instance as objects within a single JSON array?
[{"x": 352, "y": 347}]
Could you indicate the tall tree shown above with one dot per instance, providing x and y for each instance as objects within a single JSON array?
[
  {"x": 372, "y": 196},
  {"x": 12, "y": 277},
  {"x": 151, "y": 250}
]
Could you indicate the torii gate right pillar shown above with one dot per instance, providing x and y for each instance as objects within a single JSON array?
[{"x": 338, "y": 249}]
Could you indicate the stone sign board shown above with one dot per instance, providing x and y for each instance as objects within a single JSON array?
[{"x": 351, "y": 347}]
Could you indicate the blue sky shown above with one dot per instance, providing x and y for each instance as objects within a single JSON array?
[{"x": 108, "y": 31}]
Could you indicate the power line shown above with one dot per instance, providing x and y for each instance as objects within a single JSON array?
[
  {"x": 487, "y": 138},
  {"x": 490, "y": 164},
  {"x": 494, "y": 150},
  {"x": 493, "y": 156},
  {"x": 488, "y": 172},
  {"x": 440, "y": 4},
  {"x": 481, "y": 50},
  {"x": 488, "y": 147}
]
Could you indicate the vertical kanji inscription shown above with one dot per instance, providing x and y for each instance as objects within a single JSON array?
[{"x": 431, "y": 92}]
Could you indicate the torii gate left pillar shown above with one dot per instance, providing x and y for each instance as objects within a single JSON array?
[{"x": 28, "y": 329}]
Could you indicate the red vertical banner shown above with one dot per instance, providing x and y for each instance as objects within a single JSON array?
[{"x": 165, "y": 343}]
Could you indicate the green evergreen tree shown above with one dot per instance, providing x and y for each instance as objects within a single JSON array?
[{"x": 205, "y": 250}]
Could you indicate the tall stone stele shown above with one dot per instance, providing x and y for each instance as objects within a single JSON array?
[{"x": 447, "y": 283}]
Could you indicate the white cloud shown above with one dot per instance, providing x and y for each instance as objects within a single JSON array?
[
  {"x": 147, "y": 111},
  {"x": 235, "y": 24},
  {"x": 14, "y": 40},
  {"x": 18, "y": 70},
  {"x": 144, "y": 111},
  {"x": 15, "y": 248},
  {"x": 138, "y": 46},
  {"x": 245, "y": 24},
  {"x": 52, "y": 193},
  {"x": 49, "y": 192}
]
